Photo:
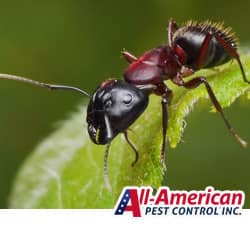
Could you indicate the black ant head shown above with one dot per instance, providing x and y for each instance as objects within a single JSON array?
[{"x": 113, "y": 107}]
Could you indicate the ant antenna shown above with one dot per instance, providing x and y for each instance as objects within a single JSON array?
[{"x": 43, "y": 84}]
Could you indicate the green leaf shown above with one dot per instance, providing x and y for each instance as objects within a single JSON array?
[{"x": 66, "y": 169}]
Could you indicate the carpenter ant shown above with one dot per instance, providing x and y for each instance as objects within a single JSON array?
[
  {"x": 116, "y": 104},
  {"x": 113, "y": 107},
  {"x": 190, "y": 48}
]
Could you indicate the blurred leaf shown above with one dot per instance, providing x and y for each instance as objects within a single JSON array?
[{"x": 65, "y": 170}]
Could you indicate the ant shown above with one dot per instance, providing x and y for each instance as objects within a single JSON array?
[
  {"x": 192, "y": 47},
  {"x": 116, "y": 104}
]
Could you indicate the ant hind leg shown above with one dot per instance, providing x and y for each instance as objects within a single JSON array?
[
  {"x": 233, "y": 52},
  {"x": 193, "y": 83}
]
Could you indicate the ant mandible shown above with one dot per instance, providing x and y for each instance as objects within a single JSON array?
[{"x": 192, "y": 47}]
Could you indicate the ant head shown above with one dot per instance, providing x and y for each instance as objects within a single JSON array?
[{"x": 113, "y": 107}]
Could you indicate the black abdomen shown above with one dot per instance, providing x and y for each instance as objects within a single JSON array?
[{"x": 190, "y": 38}]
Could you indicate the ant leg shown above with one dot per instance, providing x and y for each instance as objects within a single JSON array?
[
  {"x": 202, "y": 55},
  {"x": 203, "y": 51},
  {"x": 195, "y": 83},
  {"x": 185, "y": 71},
  {"x": 132, "y": 145},
  {"x": 172, "y": 26},
  {"x": 166, "y": 99},
  {"x": 164, "y": 103},
  {"x": 105, "y": 168},
  {"x": 233, "y": 52},
  {"x": 129, "y": 57}
]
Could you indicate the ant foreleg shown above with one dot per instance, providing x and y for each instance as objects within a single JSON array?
[
  {"x": 195, "y": 83},
  {"x": 132, "y": 145},
  {"x": 166, "y": 99},
  {"x": 164, "y": 132}
]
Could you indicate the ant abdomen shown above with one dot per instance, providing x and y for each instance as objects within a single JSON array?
[{"x": 189, "y": 42}]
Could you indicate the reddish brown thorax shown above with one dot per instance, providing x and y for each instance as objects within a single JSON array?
[{"x": 153, "y": 67}]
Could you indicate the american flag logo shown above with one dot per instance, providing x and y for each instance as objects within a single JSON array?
[
  {"x": 129, "y": 202},
  {"x": 123, "y": 203}
]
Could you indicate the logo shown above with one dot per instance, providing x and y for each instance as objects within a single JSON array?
[{"x": 143, "y": 201}]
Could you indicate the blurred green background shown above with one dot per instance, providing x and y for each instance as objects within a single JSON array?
[{"x": 79, "y": 42}]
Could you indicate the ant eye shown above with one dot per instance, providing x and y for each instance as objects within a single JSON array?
[{"x": 127, "y": 98}]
